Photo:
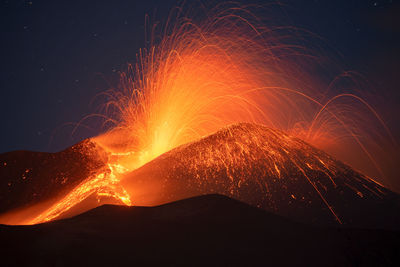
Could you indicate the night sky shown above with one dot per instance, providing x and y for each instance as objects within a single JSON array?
[{"x": 56, "y": 56}]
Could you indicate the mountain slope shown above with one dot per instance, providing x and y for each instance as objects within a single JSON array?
[
  {"x": 205, "y": 230},
  {"x": 28, "y": 178},
  {"x": 268, "y": 169}
]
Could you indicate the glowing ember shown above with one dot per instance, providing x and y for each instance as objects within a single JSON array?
[{"x": 201, "y": 78}]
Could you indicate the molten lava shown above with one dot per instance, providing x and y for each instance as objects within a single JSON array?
[{"x": 202, "y": 77}]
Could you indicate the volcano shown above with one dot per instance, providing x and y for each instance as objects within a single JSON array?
[
  {"x": 268, "y": 169},
  {"x": 245, "y": 195},
  {"x": 258, "y": 165}
]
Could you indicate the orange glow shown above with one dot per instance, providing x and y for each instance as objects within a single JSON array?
[{"x": 202, "y": 77}]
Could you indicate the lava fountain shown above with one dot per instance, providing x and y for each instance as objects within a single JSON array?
[{"x": 202, "y": 76}]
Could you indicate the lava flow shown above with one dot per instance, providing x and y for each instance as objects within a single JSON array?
[{"x": 204, "y": 76}]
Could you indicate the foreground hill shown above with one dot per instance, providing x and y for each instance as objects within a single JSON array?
[{"x": 205, "y": 230}]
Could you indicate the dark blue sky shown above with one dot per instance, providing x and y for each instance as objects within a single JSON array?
[{"x": 57, "y": 55}]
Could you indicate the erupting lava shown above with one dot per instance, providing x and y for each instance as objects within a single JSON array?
[{"x": 202, "y": 77}]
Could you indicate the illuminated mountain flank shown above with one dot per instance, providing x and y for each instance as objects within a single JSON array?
[{"x": 266, "y": 168}]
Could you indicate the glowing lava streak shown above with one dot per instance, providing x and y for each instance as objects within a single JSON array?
[
  {"x": 104, "y": 184},
  {"x": 202, "y": 77}
]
